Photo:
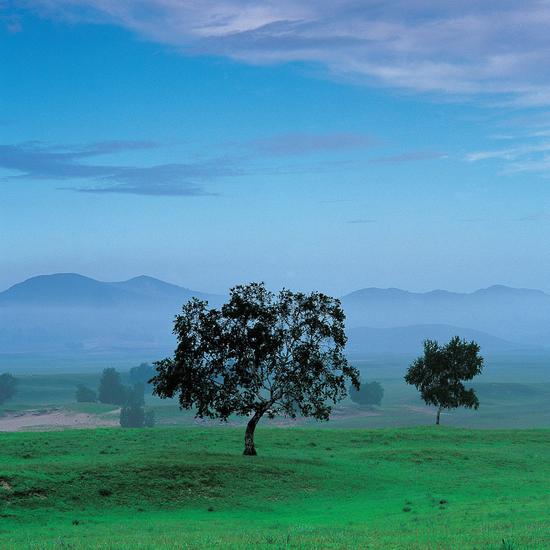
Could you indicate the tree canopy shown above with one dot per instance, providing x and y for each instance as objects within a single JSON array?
[
  {"x": 439, "y": 374},
  {"x": 85, "y": 394},
  {"x": 133, "y": 413},
  {"x": 111, "y": 389},
  {"x": 260, "y": 354},
  {"x": 370, "y": 393},
  {"x": 142, "y": 373}
]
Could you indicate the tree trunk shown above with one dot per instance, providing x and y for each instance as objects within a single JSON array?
[
  {"x": 249, "y": 449},
  {"x": 437, "y": 417}
]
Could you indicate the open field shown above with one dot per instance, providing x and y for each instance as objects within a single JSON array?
[
  {"x": 514, "y": 392},
  {"x": 191, "y": 488}
]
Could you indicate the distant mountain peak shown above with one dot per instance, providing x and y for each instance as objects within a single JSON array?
[
  {"x": 73, "y": 289},
  {"x": 57, "y": 276},
  {"x": 497, "y": 289},
  {"x": 143, "y": 278},
  {"x": 508, "y": 290},
  {"x": 373, "y": 291},
  {"x": 146, "y": 280}
]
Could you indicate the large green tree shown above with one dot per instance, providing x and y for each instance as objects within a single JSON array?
[
  {"x": 439, "y": 374},
  {"x": 260, "y": 354}
]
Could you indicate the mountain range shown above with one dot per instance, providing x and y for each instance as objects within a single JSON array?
[
  {"x": 67, "y": 312},
  {"x": 515, "y": 314},
  {"x": 73, "y": 290}
]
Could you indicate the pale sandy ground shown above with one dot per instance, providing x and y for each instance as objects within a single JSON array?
[
  {"x": 424, "y": 410},
  {"x": 54, "y": 419}
]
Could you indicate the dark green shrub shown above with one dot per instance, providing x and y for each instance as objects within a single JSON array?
[
  {"x": 132, "y": 417},
  {"x": 111, "y": 389},
  {"x": 85, "y": 394},
  {"x": 369, "y": 393}
]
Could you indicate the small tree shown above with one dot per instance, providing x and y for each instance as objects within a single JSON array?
[
  {"x": 133, "y": 414},
  {"x": 85, "y": 394},
  {"x": 135, "y": 395},
  {"x": 370, "y": 393},
  {"x": 439, "y": 374},
  {"x": 260, "y": 354},
  {"x": 111, "y": 389},
  {"x": 8, "y": 387}
]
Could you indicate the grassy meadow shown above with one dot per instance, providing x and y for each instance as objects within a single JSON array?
[
  {"x": 477, "y": 482},
  {"x": 191, "y": 488}
]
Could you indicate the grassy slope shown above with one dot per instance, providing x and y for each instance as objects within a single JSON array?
[{"x": 191, "y": 488}]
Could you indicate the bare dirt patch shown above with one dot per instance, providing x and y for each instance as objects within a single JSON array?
[
  {"x": 422, "y": 410},
  {"x": 5, "y": 485},
  {"x": 53, "y": 419}
]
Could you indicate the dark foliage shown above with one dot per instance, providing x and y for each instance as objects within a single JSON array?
[
  {"x": 132, "y": 416},
  {"x": 135, "y": 395},
  {"x": 439, "y": 374},
  {"x": 142, "y": 373},
  {"x": 8, "y": 387},
  {"x": 370, "y": 393},
  {"x": 261, "y": 353},
  {"x": 111, "y": 389},
  {"x": 85, "y": 394}
]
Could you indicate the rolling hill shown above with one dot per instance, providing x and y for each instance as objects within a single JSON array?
[
  {"x": 73, "y": 290},
  {"x": 70, "y": 313},
  {"x": 408, "y": 340},
  {"x": 517, "y": 315}
]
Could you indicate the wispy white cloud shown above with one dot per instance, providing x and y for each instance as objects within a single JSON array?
[
  {"x": 510, "y": 153},
  {"x": 534, "y": 158},
  {"x": 495, "y": 47}
]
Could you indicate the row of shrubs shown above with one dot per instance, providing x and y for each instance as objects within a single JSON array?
[{"x": 131, "y": 398}]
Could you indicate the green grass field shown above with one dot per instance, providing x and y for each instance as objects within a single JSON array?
[{"x": 429, "y": 488}]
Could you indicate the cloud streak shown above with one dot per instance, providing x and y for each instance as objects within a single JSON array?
[
  {"x": 79, "y": 163},
  {"x": 413, "y": 156},
  {"x": 307, "y": 144},
  {"x": 36, "y": 161},
  {"x": 459, "y": 48},
  {"x": 530, "y": 157}
]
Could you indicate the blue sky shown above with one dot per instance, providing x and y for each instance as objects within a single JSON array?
[{"x": 327, "y": 146}]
